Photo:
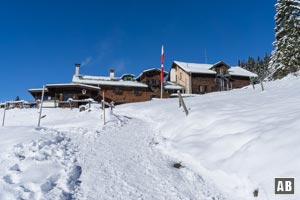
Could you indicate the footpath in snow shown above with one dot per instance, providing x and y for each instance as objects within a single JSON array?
[
  {"x": 122, "y": 162},
  {"x": 75, "y": 157}
]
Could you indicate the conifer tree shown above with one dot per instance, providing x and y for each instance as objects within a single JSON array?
[{"x": 285, "y": 58}]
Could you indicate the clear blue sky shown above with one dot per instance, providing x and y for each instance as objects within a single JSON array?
[{"x": 41, "y": 40}]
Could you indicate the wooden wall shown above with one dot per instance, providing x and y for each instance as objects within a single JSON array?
[
  {"x": 240, "y": 81},
  {"x": 207, "y": 81},
  {"x": 155, "y": 86},
  {"x": 125, "y": 94},
  {"x": 183, "y": 78}
]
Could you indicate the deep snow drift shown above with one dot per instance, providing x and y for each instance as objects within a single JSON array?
[
  {"x": 231, "y": 144},
  {"x": 240, "y": 139}
]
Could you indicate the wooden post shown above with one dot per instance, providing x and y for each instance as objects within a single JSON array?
[
  {"x": 4, "y": 114},
  {"x": 252, "y": 82},
  {"x": 262, "y": 85},
  {"x": 103, "y": 106},
  {"x": 112, "y": 106},
  {"x": 70, "y": 103},
  {"x": 178, "y": 92},
  {"x": 41, "y": 106},
  {"x": 183, "y": 104}
]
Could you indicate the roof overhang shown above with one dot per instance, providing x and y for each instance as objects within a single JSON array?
[
  {"x": 149, "y": 71},
  {"x": 37, "y": 90},
  {"x": 72, "y": 85},
  {"x": 220, "y": 63}
]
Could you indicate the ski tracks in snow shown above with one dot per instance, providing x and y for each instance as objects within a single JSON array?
[{"x": 121, "y": 161}]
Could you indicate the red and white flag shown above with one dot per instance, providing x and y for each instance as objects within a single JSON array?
[{"x": 162, "y": 64}]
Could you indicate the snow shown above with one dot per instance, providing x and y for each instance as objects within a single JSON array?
[
  {"x": 240, "y": 140},
  {"x": 37, "y": 90},
  {"x": 172, "y": 86},
  {"x": 93, "y": 80},
  {"x": 36, "y": 164},
  {"x": 75, "y": 156},
  {"x": 238, "y": 71},
  {"x": 230, "y": 144},
  {"x": 196, "y": 67},
  {"x": 206, "y": 69}
]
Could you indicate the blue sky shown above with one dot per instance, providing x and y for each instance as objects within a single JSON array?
[{"x": 40, "y": 41}]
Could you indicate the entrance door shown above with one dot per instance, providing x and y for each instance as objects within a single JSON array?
[{"x": 203, "y": 89}]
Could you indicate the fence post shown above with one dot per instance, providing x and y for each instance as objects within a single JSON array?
[
  {"x": 112, "y": 106},
  {"x": 4, "y": 114},
  {"x": 41, "y": 106},
  {"x": 70, "y": 103},
  {"x": 183, "y": 104},
  {"x": 103, "y": 106},
  {"x": 262, "y": 85},
  {"x": 178, "y": 92}
]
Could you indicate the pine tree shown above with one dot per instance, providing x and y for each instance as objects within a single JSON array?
[
  {"x": 265, "y": 69},
  {"x": 285, "y": 58},
  {"x": 258, "y": 66}
]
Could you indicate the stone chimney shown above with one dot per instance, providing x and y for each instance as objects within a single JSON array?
[
  {"x": 112, "y": 74},
  {"x": 77, "y": 66}
]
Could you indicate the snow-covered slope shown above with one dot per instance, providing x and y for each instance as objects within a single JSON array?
[
  {"x": 75, "y": 157},
  {"x": 240, "y": 139},
  {"x": 231, "y": 144}
]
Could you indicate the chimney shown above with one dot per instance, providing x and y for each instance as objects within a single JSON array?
[
  {"x": 112, "y": 74},
  {"x": 77, "y": 66}
]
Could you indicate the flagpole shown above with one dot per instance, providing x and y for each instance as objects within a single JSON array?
[{"x": 161, "y": 88}]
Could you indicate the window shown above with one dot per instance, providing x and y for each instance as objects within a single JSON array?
[
  {"x": 153, "y": 81},
  {"x": 46, "y": 97},
  {"x": 128, "y": 78},
  {"x": 67, "y": 96},
  {"x": 117, "y": 90},
  {"x": 203, "y": 89},
  {"x": 221, "y": 71},
  {"x": 137, "y": 91}
]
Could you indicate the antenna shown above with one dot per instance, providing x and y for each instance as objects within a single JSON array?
[{"x": 205, "y": 55}]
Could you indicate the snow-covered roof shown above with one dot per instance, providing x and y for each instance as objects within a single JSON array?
[
  {"x": 37, "y": 90},
  {"x": 149, "y": 70},
  {"x": 196, "y": 67},
  {"x": 97, "y": 80},
  {"x": 238, "y": 71},
  {"x": 172, "y": 86},
  {"x": 206, "y": 69},
  {"x": 97, "y": 77}
]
